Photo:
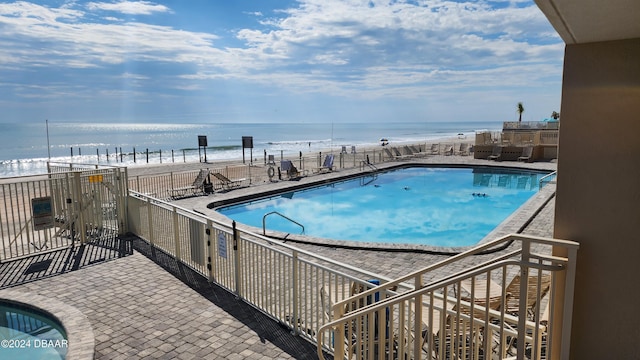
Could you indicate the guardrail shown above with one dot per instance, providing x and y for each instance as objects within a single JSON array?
[
  {"x": 45, "y": 213},
  {"x": 281, "y": 280},
  {"x": 160, "y": 186},
  {"x": 344, "y": 310},
  {"x": 505, "y": 306},
  {"x": 547, "y": 179},
  {"x": 264, "y": 222}
]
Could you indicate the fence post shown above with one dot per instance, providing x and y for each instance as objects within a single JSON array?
[
  {"x": 176, "y": 233},
  {"x": 296, "y": 290},
  {"x": 171, "y": 181},
  {"x": 150, "y": 221},
  {"x": 210, "y": 247},
  {"x": 79, "y": 208},
  {"x": 236, "y": 254},
  {"x": 122, "y": 179}
]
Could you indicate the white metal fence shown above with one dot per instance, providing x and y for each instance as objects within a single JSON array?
[
  {"x": 44, "y": 213},
  {"x": 504, "y": 307},
  {"x": 345, "y": 310},
  {"x": 281, "y": 280},
  {"x": 162, "y": 186}
]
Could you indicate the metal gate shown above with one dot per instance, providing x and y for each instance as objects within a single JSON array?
[{"x": 40, "y": 214}]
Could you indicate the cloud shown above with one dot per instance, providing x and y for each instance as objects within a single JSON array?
[
  {"x": 341, "y": 48},
  {"x": 67, "y": 41},
  {"x": 129, "y": 7}
]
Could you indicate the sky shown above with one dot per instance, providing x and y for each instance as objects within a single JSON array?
[{"x": 306, "y": 61}]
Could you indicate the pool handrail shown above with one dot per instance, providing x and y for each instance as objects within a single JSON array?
[
  {"x": 258, "y": 236},
  {"x": 544, "y": 178},
  {"x": 264, "y": 222}
]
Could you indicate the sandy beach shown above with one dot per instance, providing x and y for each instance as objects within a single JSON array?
[{"x": 258, "y": 156}]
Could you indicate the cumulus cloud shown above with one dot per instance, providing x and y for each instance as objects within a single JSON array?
[
  {"x": 129, "y": 7},
  {"x": 351, "y": 48}
]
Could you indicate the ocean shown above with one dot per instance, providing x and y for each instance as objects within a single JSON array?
[{"x": 25, "y": 148}]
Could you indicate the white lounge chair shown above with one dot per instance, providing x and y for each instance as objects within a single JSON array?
[
  {"x": 327, "y": 164},
  {"x": 527, "y": 152},
  {"x": 196, "y": 187},
  {"x": 227, "y": 183},
  {"x": 496, "y": 154}
]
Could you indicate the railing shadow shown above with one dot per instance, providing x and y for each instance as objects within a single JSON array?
[
  {"x": 48, "y": 264},
  {"x": 267, "y": 328}
]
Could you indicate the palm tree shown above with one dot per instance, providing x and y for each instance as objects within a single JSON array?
[
  {"x": 520, "y": 110},
  {"x": 555, "y": 115}
]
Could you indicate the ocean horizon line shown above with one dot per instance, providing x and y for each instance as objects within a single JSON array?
[{"x": 25, "y": 150}]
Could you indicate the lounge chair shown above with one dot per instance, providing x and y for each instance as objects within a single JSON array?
[
  {"x": 435, "y": 149},
  {"x": 398, "y": 155},
  {"x": 526, "y": 154},
  {"x": 406, "y": 150},
  {"x": 532, "y": 296},
  {"x": 389, "y": 154},
  {"x": 448, "y": 150},
  {"x": 417, "y": 150},
  {"x": 511, "y": 293},
  {"x": 227, "y": 183},
  {"x": 463, "y": 149},
  {"x": 479, "y": 288},
  {"x": 288, "y": 167},
  {"x": 496, "y": 153},
  {"x": 327, "y": 301},
  {"x": 445, "y": 333},
  {"x": 327, "y": 164},
  {"x": 196, "y": 187}
]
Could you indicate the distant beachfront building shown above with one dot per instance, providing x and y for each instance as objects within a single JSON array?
[{"x": 515, "y": 135}]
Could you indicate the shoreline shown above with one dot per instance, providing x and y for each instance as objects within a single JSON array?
[
  {"x": 157, "y": 168},
  {"x": 176, "y": 142},
  {"x": 154, "y": 168}
]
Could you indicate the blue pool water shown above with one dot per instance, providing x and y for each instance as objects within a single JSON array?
[
  {"x": 422, "y": 205},
  {"x": 28, "y": 334}
]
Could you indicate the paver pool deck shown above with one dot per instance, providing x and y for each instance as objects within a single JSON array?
[{"x": 148, "y": 306}]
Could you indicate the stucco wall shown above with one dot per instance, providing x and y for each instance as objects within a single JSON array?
[{"x": 598, "y": 195}]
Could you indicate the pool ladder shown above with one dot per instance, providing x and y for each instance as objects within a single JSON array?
[
  {"x": 264, "y": 222},
  {"x": 374, "y": 171}
]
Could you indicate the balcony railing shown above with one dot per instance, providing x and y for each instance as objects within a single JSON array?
[
  {"x": 345, "y": 311},
  {"x": 531, "y": 125},
  {"x": 511, "y": 305}
]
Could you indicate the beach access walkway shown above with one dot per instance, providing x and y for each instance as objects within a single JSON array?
[{"x": 146, "y": 305}]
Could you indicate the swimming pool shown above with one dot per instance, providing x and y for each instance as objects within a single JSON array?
[
  {"x": 435, "y": 206},
  {"x": 26, "y": 333}
]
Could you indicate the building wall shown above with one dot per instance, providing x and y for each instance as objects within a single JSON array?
[{"x": 598, "y": 195}]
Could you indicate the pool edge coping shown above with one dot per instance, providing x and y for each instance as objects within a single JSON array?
[
  {"x": 513, "y": 224},
  {"x": 80, "y": 336}
]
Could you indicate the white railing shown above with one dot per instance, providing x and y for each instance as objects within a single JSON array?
[
  {"x": 328, "y": 302},
  {"x": 281, "y": 280},
  {"x": 40, "y": 214},
  {"x": 547, "y": 179},
  {"x": 504, "y": 323},
  {"x": 538, "y": 125},
  {"x": 161, "y": 186}
]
